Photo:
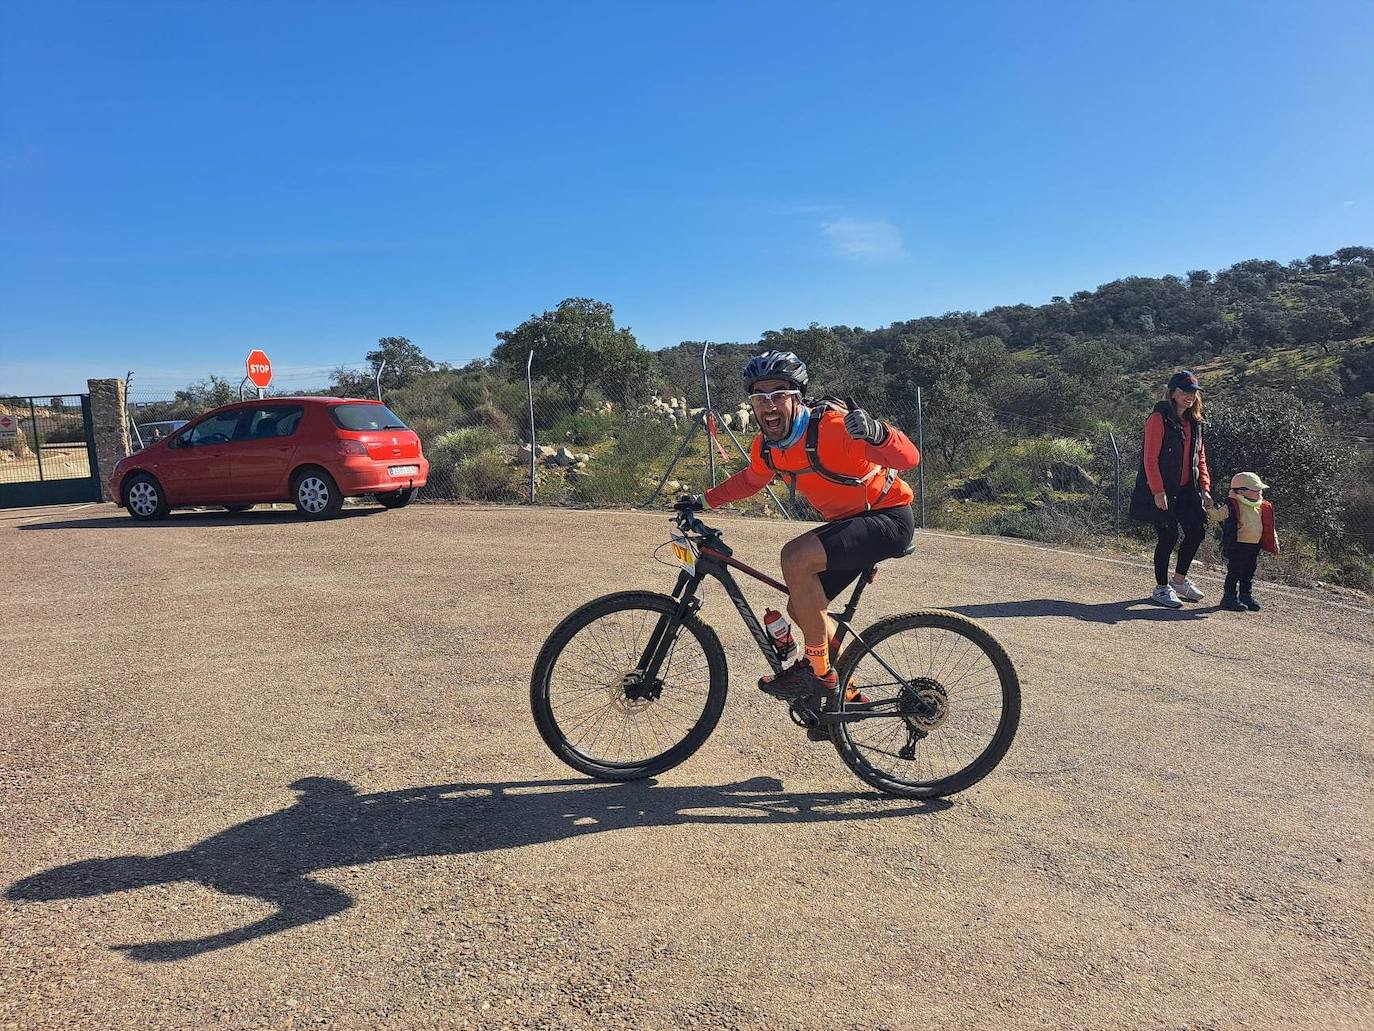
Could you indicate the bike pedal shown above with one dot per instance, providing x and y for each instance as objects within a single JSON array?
[{"x": 818, "y": 733}]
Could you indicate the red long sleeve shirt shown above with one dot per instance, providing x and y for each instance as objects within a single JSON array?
[
  {"x": 1154, "y": 437},
  {"x": 840, "y": 453}
]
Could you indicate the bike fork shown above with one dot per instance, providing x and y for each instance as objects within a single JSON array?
[{"x": 665, "y": 630}]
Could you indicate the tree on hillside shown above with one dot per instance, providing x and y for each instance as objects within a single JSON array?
[
  {"x": 1345, "y": 255},
  {"x": 405, "y": 361},
  {"x": 1320, "y": 324},
  {"x": 1275, "y": 434},
  {"x": 957, "y": 419},
  {"x": 577, "y": 345},
  {"x": 1357, "y": 371}
]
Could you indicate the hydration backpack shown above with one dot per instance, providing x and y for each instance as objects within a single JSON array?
[{"x": 813, "y": 458}]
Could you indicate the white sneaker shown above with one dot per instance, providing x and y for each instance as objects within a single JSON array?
[
  {"x": 1165, "y": 596},
  {"x": 1187, "y": 590}
]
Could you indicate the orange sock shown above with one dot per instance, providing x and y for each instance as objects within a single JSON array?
[{"x": 820, "y": 658}]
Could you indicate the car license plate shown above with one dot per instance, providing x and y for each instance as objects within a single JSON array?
[
  {"x": 685, "y": 552},
  {"x": 404, "y": 470}
]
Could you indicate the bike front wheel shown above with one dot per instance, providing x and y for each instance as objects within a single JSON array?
[
  {"x": 596, "y": 710},
  {"x": 944, "y": 722}
]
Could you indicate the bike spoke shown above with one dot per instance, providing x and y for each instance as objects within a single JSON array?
[
  {"x": 588, "y": 695},
  {"x": 945, "y": 669}
]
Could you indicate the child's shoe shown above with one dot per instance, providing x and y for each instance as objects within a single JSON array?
[
  {"x": 1248, "y": 600},
  {"x": 1232, "y": 604}
]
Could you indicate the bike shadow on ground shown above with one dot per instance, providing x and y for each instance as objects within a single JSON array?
[
  {"x": 331, "y": 825},
  {"x": 1101, "y": 612},
  {"x": 185, "y": 520}
]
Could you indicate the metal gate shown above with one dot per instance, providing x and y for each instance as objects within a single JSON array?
[{"x": 47, "y": 451}]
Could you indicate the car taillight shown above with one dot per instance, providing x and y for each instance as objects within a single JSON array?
[{"x": 353, "y": 447}]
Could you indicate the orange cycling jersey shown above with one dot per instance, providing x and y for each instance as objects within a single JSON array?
[{"x": 839, "y": 453}]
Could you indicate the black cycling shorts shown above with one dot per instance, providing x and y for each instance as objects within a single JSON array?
[{"x": 853, "y": 545}]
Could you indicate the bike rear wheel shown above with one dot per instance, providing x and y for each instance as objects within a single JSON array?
[
  {"x": 595, "y": 712},
  {"x": 953, "y": 721}
]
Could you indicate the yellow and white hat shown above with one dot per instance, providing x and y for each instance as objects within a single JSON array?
[{"x": 1240, "y": 481}]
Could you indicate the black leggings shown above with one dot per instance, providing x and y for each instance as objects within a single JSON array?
[
  {"x": 1240, "y": 569},
  {"x": 1184, "y": 512}
]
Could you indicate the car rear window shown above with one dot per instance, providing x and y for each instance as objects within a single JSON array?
[{"x": 367, "y": 417}]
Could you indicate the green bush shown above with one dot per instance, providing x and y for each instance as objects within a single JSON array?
[
  {"x": 471, "y": 464},
  {"x": 607, "y": 484},
  {"x": 644, "y": 440},
  {"x": 1022, "y": 469},
  {"x": 583, "y": 428}
]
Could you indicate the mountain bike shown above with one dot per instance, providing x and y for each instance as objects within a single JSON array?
[{"x": 631, "y": 684}]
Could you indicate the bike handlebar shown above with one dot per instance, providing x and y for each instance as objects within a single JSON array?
[{"x": 687, "y": 520}]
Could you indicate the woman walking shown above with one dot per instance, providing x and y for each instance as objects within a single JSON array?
[{"x": 1171, "y": 487}]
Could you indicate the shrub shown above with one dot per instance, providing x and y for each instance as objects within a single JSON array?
[
  {"x": 471, "y": 464},
  {"x": 1023, "y": 468},
  {"x": 582, "y": 428}
]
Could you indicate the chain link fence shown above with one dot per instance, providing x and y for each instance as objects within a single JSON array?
[
  {"x": 43, "y": 439},
  {"x": 493, "y": 436}
]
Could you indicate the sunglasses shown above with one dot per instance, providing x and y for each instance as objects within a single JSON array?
[{"x": 773, "y": 397}]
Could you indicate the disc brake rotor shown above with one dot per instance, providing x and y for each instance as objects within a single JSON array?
[{"x": 630, "y": 694}]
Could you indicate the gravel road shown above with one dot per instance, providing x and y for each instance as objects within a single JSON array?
[{"x": 258, "y": 772}]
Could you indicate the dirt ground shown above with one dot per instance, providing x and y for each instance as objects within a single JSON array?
[{"x": 259, "y": 772}]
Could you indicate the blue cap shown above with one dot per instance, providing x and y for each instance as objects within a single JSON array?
[{"x": 1183, "y": 380}]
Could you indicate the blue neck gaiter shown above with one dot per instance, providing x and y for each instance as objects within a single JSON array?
[{"x": 798, "y": 428}]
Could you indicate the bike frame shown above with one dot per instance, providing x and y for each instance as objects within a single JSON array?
[{"x": 715, "y": 559}]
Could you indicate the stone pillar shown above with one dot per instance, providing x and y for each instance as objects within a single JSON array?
[{"x": 111, "y": 427}]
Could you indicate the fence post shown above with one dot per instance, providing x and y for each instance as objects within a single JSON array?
[
  {"x": 921, "y": 467},
  {"x": 37, "y": 444},
  {"x": 379, "y": 379},
  {"x": 529, "y": 393},
  {"x": 709, "y": 413},
  {"x": 1116, "y": 481}
]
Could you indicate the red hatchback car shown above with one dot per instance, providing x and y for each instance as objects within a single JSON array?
[{"x": 314, "y": 451}]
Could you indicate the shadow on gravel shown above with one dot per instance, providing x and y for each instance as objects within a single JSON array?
[
  {"x": 1102, "y": 612},
  {"x": 331, "y": 825},
  {"x": 182, "y": 520}
]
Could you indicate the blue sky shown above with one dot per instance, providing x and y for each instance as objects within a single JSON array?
[{"x": 183, "y": 181}]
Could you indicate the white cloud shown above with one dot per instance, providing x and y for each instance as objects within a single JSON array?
[{"x": 864, "y": 240}]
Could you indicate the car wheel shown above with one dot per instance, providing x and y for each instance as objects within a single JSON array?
[
  {"x": 144, "y": 499},
  {"x": 237, "y": 508},
  {"x": 397, "y": 498},
  {"x": 316, "y": 494}
]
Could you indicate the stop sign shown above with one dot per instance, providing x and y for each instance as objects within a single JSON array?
[{"x": 259, "y": 369}]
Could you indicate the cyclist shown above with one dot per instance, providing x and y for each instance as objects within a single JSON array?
[{"x": 845, "y": 462}]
